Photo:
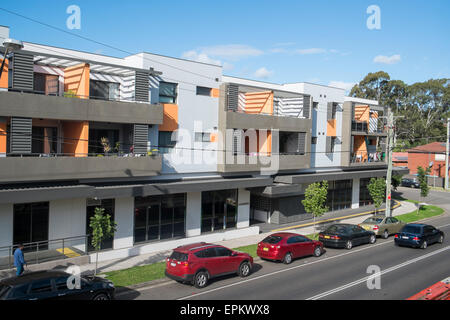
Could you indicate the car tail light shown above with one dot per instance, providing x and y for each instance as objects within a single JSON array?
[
  {"x": 376, "y": 227},
  {"x": 186, "y": 264},
  {"x": 335, "y": 237},
  {"x": 416, "y": 239},
  {"x": 396, "y": 236}
]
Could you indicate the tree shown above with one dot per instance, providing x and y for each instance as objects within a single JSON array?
[
  {"x": 102, "y": 229},
  {"x": 315, "y": 199},
  {"x": 396, "y": 181},
  {"x": 377, "y": 190},
  {"x": 423, "y": 180}
]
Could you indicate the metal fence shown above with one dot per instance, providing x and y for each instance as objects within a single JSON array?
[{"x": 45, "y": 251}]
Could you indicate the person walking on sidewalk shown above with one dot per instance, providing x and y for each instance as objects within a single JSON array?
[{"x": 19, "y": 260}]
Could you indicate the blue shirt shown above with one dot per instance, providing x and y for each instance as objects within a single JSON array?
[{"x": 18, "y": 258}]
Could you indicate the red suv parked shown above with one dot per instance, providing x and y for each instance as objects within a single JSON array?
[
  {"x": 197, "y": 263},
  {"x": 286, "y": 246}
]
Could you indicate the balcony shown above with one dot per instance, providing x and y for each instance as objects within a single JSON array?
[
  {"x": 364, "y": 158},
  {"x": 258, "y": 108},
  {"x": 60, "y": 167}
]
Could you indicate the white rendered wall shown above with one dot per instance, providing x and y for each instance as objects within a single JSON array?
[
  {"x": 243, "y": 214},
  {"x": 193, "y": 213},
  {"x": 124, "y": 217},
  {"x": 355, "y": 193},
  {"x": 67, "y": 218},
  {"x": 6, "y": 227}
]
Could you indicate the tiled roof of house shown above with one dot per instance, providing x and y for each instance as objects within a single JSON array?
[{"x": 434, "y": 147}]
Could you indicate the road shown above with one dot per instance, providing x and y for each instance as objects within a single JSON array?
[{"x": 337, "y": 274}]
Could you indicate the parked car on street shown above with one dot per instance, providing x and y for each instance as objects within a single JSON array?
[
  {"x": 346, "y": 236},
  {"x": 44, "y": 285},
  {"x": 418, "y": 235},
  {"x": 199, "y": 262},
  {"x": 286, "y": 247},
  {"x": 411, "y": 183},
  {"x": 382, "y": 226}
]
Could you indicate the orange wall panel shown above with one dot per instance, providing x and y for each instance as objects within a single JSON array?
[
  {"x": 76, "y": 79},
  {"x": 259, "y": 102},
  {"x": 215, "y": 93},
  {"x": 4, "y": 78},
  {"x": 170, "y": 118},
  {"x": 76, "y": 136},
  {"x": 331, "y": 128},
  {"x": 3, "y": 137},
  {"x": 362, "y": 113}
]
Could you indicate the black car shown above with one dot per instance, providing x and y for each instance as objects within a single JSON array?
[
  {"x": 42, "y": 285},
  {"x": 418, "y": 235},
  {"x": 346, "y": 236},
  {"x": 411, "y": 183}
]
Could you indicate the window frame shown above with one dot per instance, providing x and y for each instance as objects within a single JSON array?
[{"x": 173, "y": 97}]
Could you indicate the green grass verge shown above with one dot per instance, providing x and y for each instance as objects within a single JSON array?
[{"x": 424, "y": 212}]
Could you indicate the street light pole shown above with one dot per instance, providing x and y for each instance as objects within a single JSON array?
[
  {"x": 390, "y": 126},
  {"x": 446, "y": 154}
]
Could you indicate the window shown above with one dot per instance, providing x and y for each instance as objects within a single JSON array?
[
  {"x": 223, "y": 252},
  {"x": 3, "y": 290},
  {"x": 313, "y": 140},
  {"x": 202, "y": 137},
  {"x": 19, "y": 291},
  {"x": 394, "y": 220},
  {"x": 179, "y": 256},
  {"x": 46, "y": 84},
  {"x": 167, "y": 92},
  {"x": 219, "y": 210},
  {"x": 315, "y": 105},
  {"x": 41, "y": 286},
  {"x": 339, "y": 194},
  {"x": 165, "y": 141},
  {"x": 292, "y": 240},
  {"x": 44, "y": 140},
  {"x": 31, "y": 224},
  {"x": 104, "y": 90},
  {"x": 272, "y": 239},
  {"x": 159, "y": 217},
  {"x": 203, "y": 91}
]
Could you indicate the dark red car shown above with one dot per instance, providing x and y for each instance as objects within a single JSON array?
[
  {"x": 286, "y": 246},
  {"x": 197, "y": 263}
]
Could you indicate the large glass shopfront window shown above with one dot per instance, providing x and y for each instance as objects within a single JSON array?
[
  {"x": 108, "y": 205},
  {"x": 339, "y": 195},
  {"x": 30, "y": 225},
  {"x": 159, "y": 217},
  {"x": 219, "y": 210}
]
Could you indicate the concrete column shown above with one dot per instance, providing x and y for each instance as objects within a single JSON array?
[
  {"x": 6, "y": 227},
  {"x": 243, "y": 214},
  {"x": 355, "y": 193},
  {"x": 67, "y": 218},
  {"x": 124, "y": 217},
  {"x": 193, "y": 213}
]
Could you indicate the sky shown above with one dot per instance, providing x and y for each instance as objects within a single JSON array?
[{"x": 327, "y": 42}]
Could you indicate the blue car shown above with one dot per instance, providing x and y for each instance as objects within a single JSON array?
[{"x": 418, "y": 236}]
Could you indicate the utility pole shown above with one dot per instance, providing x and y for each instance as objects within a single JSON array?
[
  {"x": 390, "y": 136},
  {"x": 446, "y": 154}
]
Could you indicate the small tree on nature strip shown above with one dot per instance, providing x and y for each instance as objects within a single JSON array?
[
  {"x": 102, "y": 229},
  {"x": 423, "y": 183},
  {"x": 315, "y": 199},
  {"x": 377, "y": 190},
  {"x": 396, "y": 181}
]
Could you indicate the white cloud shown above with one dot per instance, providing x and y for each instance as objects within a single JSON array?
[
  {"x": 387, "y": 60},
  {"x": 200, "y": 57},
  {"x": 347, "y": 86},
  {"x": 262, "y": 73},
  {"x": 311, "y": 51}
]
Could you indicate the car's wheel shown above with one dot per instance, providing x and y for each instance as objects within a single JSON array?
[
  {"x": 244, "y": 269},
  {"x": 349, "y": 245},
  {"x": 385, "y": 234},
  {"x": 317, "y": 251},
  {"x": 424, "y": 245},
  {"x": 287, "y": 258},
  {"x": 101, "y": 296},
  {"x": 441, "y": 239},
  {"x": 372, "y": 239},
  {"x": 201, "y": 279}
]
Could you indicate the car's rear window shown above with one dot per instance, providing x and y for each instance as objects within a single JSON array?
[
  {"x": 373, "y": 220},
  {"x": 272, "y": 239},
  {"x": 336, "y": 229},
  {"x": 411, "y": 229},
  {"x": 179, "y": 256}
]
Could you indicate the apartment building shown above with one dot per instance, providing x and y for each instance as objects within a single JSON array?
[{"x": 172, "y": 149}]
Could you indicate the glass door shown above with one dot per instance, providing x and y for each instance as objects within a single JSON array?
[{"x": 31, "y": 225}]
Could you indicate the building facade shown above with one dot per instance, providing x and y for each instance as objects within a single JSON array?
[{"x": 172, "y": 149}]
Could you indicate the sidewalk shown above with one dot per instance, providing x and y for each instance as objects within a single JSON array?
[{"x": 304, "y": 227}]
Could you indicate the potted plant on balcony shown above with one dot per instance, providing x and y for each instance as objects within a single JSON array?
[
  {"x": 105, "y": 144},
  {"x": 70, "y": 94}
]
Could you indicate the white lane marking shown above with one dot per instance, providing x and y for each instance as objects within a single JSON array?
[
  {"x": 362, "y": 280},
  {"x": 289, "y": 269}
]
